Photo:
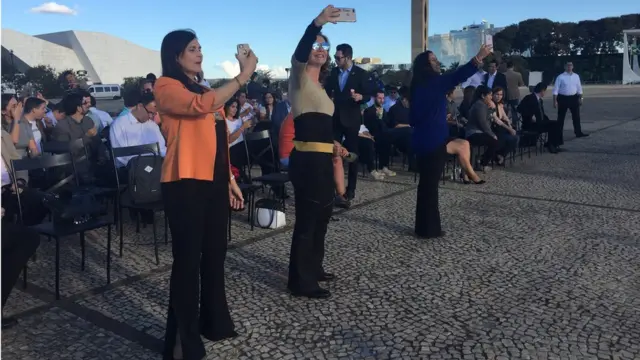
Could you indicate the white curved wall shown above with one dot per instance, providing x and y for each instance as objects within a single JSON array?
[
  {"x": 34, "y": 51},
  {"x": 106, "y": 58}
]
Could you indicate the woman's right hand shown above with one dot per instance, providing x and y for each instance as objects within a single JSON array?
[
  {"x": 485, "y": 50},
  {"x": 247, "y": 63},
  {"x": 16, "y": 112},
  {"x": 328, "y": 15}
]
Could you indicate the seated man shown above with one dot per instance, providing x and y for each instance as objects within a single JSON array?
[
  {"x": 285, "y": 146},
  {"x": 76, "y": 124},
  {"x": 136, "y": 127},
  {"x": 534, "y": 119}
]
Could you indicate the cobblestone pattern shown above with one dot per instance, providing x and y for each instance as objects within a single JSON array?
[{"x": 539, "y": 263}]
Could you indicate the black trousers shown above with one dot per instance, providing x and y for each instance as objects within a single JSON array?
[
  {"x": 571, "y": 103},
  {"x": 483, "y": 139},
  {"x": 198, "y": 214},
  {"x": 33, "y": 210},
  {"x": 350, "y": 135},
  {"x": 311, "y": 174},
  {"x": 398, "y": 137},
  {"x": 19, "y": 243},
  {"x": 552, "y": 128},
  {"x": 430, "y": 166},
  {"x": 367, "y": 153}
]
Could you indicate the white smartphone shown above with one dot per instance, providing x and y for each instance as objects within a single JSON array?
[
  {"x": 347, "y": 15},
  {"x": 243, "y": 49},
  {"x": 488, "y": 40}
]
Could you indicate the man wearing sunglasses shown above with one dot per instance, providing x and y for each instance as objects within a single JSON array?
[{"x": 349, "y": 87}]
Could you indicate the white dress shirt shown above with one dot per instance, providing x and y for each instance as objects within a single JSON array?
[
  {"x": 105, "y": 118},
  {"x": 6, "y": 179},
  {"x": 126, "y": 130},
  {"x": 233, "y": 126},
  {"x": 37, "y": 135},
  {"x": 474, "y": 80},
  {"x": 491, "y": 79},
  {"x": 567, "y": 84}
]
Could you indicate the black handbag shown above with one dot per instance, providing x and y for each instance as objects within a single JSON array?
[{"x": 71, "y": 208}]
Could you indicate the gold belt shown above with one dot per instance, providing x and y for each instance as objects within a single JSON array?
[{"x": 312, "y": 146}]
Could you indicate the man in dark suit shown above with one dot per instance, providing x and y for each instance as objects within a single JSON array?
[
  {"x": 493, "y": 78},
  {"x": 534, "y": 119},
  {"x": 349, "y": 86}
]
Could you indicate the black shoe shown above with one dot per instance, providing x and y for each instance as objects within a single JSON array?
[
  {"x": 314, "y": 294},
  {"x": 217, "y": 337},
  {"x": 350, "y": 195},
  {"x": 9, "y": 322},
  {"x": 581, "y": 135},
  {"x": 342, "y": 202},
  {"x": 325, "y": 276},
  {"x": 442, "y": 234},
  {"x": 552, "y": 149}
]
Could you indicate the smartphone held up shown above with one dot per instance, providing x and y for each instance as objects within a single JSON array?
[{"x": 346, "y": 15}]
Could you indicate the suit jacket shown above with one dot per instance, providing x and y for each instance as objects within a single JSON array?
[
  {"x": 514, "y": 81},
  {"x": 347, "y": 111},
  {"x": 500, "y": 81},
  {"x": 370, "y": 119},
  {"x": 530, "y": 108}
]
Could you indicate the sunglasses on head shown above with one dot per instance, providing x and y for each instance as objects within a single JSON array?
[{"x": 324, "y": 45}]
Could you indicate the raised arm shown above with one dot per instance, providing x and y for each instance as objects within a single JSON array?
[
  {"x": 466, "y": 71},
  {"x": 301, "y": 55}
]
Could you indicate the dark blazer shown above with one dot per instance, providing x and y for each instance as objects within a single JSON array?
[
  {"x": 370, "y": 119},
  {"x": 347, "y": 111},
  {"x": 531, "y": 108},
  {"x": 500, "y": 81}
]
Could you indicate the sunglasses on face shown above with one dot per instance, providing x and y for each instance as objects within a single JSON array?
[{"x": 324, "y": 45}]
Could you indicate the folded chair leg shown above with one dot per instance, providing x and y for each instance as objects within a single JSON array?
[{"x": 109, "y": 254}]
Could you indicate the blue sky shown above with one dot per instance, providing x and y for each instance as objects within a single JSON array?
[{"x": 273, "y": 28}]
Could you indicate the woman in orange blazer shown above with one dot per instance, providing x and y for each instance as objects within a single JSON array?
[{"x": 197, "y": 189}]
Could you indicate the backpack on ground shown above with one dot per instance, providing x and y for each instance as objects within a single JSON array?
[{"x": 144, "y": 173}]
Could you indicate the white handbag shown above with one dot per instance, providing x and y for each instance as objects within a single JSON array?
[{"x": 270, "y": 214}]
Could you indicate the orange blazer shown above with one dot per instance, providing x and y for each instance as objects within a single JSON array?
[{"x": 188, "y": 123}]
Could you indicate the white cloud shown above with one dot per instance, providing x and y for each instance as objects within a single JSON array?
[
  {"x": 232, "y": 68},
  {"x": 53, "y": 8}
]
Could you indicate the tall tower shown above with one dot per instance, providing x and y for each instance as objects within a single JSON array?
[{"x": 419, "y": 27}]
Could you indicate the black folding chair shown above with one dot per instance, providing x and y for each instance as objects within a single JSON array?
[
  {"x": 125, "y": 202},
  {"x": 276, "y": 178},
  {"x": 47, "y": 162}
]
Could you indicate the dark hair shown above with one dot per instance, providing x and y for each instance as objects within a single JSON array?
[
  {"x": 404, "y": 92},
  {"x": 32, "y": 103},
  {"x": 481, "y": 92},
  {"x": 254, "y": 76},
  {"x": 59, "y": 107},
  {"x": 93, "y": 101},
  {"x": 132, "y": 98},
  {"x": 509, "y": 64},
  {"x": 228, "y": 104},
  {"x": 147, "y": 98},
  {"x": 173, "y": 45},
  {"x": 498, "y": 89},
  {"x": 539, "y": 87},
  {"x": 151, "y": 77},
  {"x": 379, "y": 91},
  {"x": 421, "y": 71},
  {"x": 345, "y": 49},
  {"x": 494, "y": 61},
  {"x": 450, "y": 91},
  {"x": 71, "y": 102},
  {"x": 324, "y": 69},
  {"x": 468, "y": 94},
  {"x": 6, "y": 98}
]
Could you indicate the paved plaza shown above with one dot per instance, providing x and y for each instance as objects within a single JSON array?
[{"x": 542, "y": 262}]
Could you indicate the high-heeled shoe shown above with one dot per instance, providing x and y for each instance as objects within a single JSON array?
[{"x": 467, "y": 181}]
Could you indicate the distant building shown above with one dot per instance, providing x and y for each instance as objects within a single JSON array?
[
  {"x": 419, "y": 27},
  {"x": 106, "y": 59},
  {"x": 460, "y": 45}
]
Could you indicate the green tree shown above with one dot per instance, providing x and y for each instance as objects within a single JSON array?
[
  {"x": 506, "y": 40},
  {"x": 131, "y": 83},
  {"x": 44, "y": 79}
]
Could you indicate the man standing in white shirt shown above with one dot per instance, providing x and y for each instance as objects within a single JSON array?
[{"x": 567, "y": 95}]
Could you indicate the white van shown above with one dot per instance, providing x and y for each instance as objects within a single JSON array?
[{"x": 105, "y": 91}]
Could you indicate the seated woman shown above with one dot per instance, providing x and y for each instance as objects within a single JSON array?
[
  {"x": 507, "y": 135},
  {"x": 467, "y": 100},
  {"x": 457, "y": 146},
  {"x": 478, "y": 129},
  {"x": 287, "y": 134},
  {"x": 366, "y": 145},
  {"x": 237, "y": 127}
]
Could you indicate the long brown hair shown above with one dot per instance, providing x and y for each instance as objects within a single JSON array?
[{"x": 324, "y": 69}]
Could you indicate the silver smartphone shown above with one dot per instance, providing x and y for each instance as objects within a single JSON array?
[
  {"x": 243, "y": 49},
  {"x": 347, "y": 15}
]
